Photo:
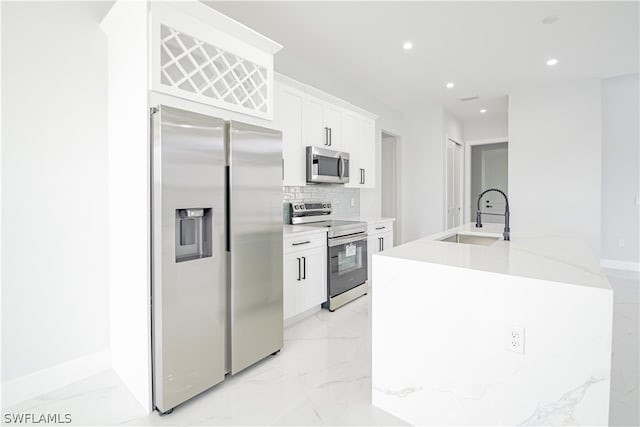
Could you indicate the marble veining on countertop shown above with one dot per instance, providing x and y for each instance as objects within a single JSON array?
[{"x": 548, "y": 256}]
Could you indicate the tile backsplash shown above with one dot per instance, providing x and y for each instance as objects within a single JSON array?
[{"x": 338, "y": 195}]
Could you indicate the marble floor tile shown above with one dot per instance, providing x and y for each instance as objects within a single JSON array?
[{"x": 322, "y": 377}]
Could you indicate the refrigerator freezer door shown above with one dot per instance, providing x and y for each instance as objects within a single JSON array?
[
  {"x": 255, "y": 219},
  {"x": 188, "y": 255}
]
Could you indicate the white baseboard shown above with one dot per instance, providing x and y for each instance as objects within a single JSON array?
[
  {"x": 29, "y": 386},
  {"x": 620, "y": 265},
  {"x": 300, "y": 316}
]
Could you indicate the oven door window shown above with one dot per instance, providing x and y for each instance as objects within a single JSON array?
[{"x": 347, "y": 266}]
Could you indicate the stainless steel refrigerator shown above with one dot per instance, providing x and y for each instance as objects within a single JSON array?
[{"x": 216, "y": 237}]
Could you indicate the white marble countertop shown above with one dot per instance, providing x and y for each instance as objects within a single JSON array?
[
  {"x": 548, "y": 256},
  {"x": 300, "y": 230},
  {"x": 368, "y": 220}
]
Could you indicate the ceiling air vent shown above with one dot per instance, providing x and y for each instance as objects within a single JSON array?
[{"x": 469, "y": 98}]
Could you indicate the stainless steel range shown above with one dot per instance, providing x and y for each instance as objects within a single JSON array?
[{"x": 346, "y": 251}]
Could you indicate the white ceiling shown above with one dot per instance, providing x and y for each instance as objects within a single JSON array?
[{"x": 488, "y": 49}]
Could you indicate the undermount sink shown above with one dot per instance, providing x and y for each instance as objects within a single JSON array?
[{"x": 470, "y": 239}]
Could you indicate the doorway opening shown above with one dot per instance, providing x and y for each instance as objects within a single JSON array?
[
  {"x": 489, "y": 169},
  {"x": 390, "y": 194}
]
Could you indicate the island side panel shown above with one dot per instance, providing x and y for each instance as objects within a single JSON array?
[{"x": 439, "y": 339}]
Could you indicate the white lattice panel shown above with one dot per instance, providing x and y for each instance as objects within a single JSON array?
[{"x": 203, "y": 70}]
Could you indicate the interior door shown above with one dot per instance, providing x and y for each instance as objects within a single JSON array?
[
  {"x": 494, "y": 175},
  {"x": 454, "y": 181}
]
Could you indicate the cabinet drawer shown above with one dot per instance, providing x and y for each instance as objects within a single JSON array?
[
  {"x": 380, "y": 227},
  {"x": 307, "y": 241}
]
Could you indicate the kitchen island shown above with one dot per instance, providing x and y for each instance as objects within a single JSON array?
[{"x": 491, "y": 332}]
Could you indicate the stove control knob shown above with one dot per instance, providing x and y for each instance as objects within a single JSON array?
[
  {"x": 324, "y": 205},
  {"x": 329, "y": 205}
]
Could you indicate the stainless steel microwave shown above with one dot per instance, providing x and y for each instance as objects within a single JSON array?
[{"x": 327, "y": 166}]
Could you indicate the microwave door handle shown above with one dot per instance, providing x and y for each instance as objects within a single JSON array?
[{"x": 340, "y": 166}]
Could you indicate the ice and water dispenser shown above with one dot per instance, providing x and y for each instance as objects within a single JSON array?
[{"x": 193, "y": 233}]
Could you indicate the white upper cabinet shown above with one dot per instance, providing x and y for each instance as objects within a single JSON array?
[
  {"x": 360, "y": 135},
  {"x": 367, "y": 153},
  {"x": 314, "y": 124},
  {"x": 200, "y": 54},
  {"x": 322, "y": 123},
  {"x": 353, "y": 141},
  {"x": 333, "y": 123},
  {"x": 289, "y": 118},
  {"x": 308, "y": 120}
]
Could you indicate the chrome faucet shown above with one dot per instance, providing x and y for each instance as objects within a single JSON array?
[{"x": 506, "y": 212}]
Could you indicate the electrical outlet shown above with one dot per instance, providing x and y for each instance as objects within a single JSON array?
[
  {"x": 621, "y": 243},
  {"x": 514, "y": 340},
  {"x": 353, "y": 201}
]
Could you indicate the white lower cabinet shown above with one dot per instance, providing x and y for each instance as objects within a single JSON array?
[
  {"x": 304, "y": 275},
  {"x": 380, "y": 237}
]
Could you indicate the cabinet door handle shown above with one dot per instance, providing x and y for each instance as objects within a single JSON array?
[
  {"x": 364, "y": 176},
  {"x": 381, "y": 228},
  {"x": 301, "y": 243},
  {"x": 326, "y": 136},
  {"x": 304, "y": 268},
  {"x": 382, "y": 240},
  {"x": 330, "y": 137},
  {"x": 299, "y": 264},
  {"x": 379, "y": 244}
]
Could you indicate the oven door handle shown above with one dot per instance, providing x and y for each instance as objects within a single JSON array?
[{"x": 336, "y": 241}]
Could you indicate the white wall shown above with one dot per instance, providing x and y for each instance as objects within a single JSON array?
[
  {"x": 453, "y": 127},
  {"x": 554, "y": 159},
  {"x": 486, "y": 128},
  {"x": 422, "y": 173},
  {"x": 129, "y": 198},
  {"x": 620, "y": 164},
  {"x": 54, "y": 186}
]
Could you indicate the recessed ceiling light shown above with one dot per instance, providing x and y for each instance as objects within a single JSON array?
[
  {"x": 551, "y": 62},
  {"x": 484, "y": 110},
  {"x": 551, "y": 19},
  {"x": 450, "y": 85},
  {"x": 407, "y": 46}
]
